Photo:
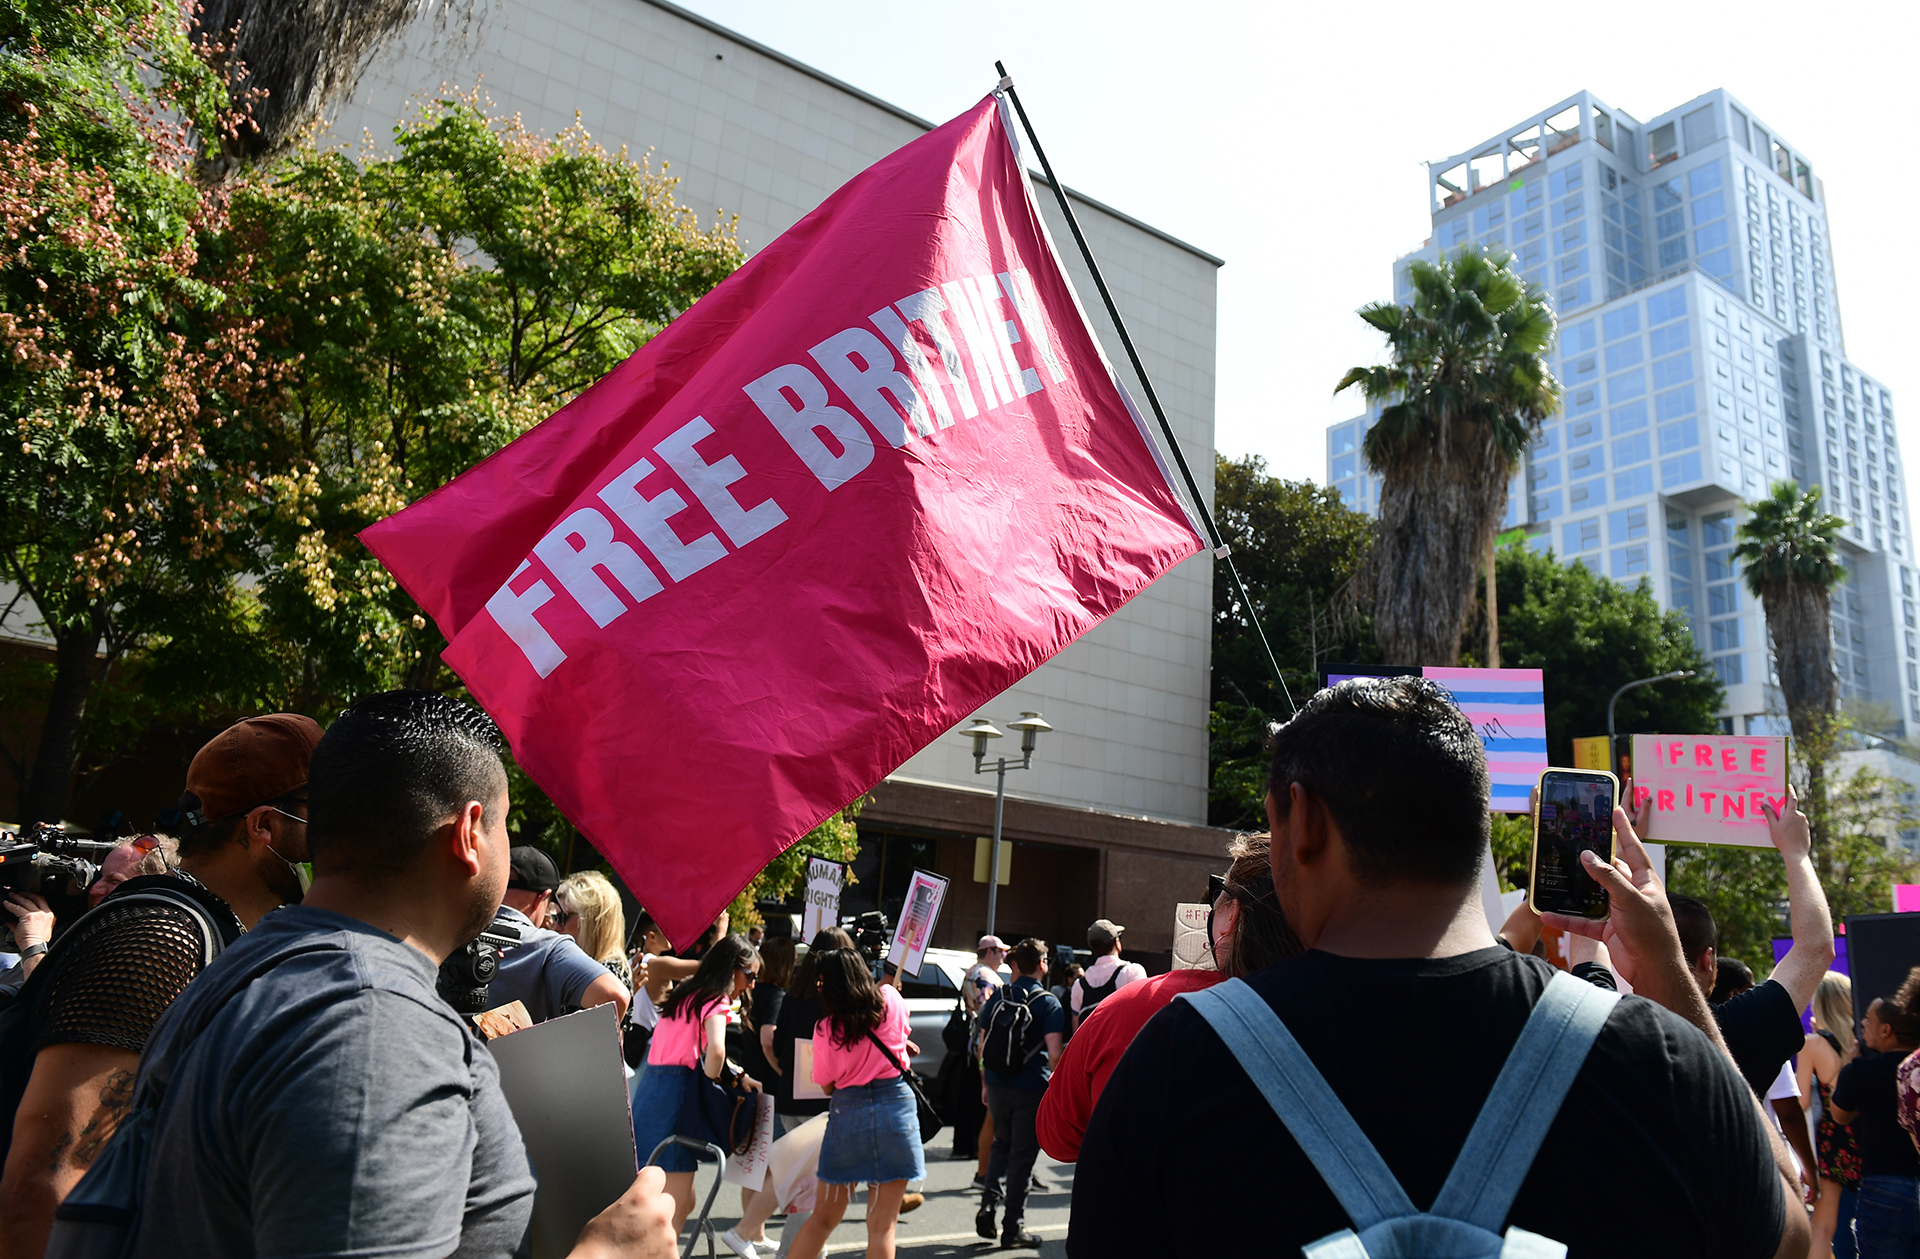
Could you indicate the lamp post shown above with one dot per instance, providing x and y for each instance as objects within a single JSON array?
[
  {"x": 1676, "y": 675},
  {"x": 1030, "y": 727}
]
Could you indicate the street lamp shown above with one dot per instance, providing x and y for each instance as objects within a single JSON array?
[
  {"x": 1612, "y": 751},
  {"x": 1030, "y": 726}
]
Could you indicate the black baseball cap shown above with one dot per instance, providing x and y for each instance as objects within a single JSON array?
[{"x": 531, "y": 870}]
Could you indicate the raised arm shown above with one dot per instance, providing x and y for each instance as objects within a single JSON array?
[{"x": 1806, "y": 963}]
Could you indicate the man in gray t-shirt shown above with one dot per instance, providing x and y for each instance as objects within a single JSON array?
[
  {"x": 330, "y": 1108},
  {"x": 546, "y": 972},
  {"x": 316, "y": 1096}
]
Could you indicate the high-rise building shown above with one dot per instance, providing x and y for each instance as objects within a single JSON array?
[{"x": 1702, "y": 359}]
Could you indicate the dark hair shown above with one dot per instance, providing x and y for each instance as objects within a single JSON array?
[
  {"x": 1362, "y": 747},
  {"x": 776, "y": 962},
  {"x": 217, "y": 833},
  {"x": 1901, "y": 1011},
  {"x": 1731, "y": 978},
  {"x": 642, "y": 923},
  {"x": 712, "y": 979},
  {"x": 1027, "y": 955},
  {"x": 806, "y": 974},
  {"x": 390, "y": 771},
  {"x": 848, "y": 994},
  {"x": 1261, "y": 933},
  {"x": 1694, "y": 921}
]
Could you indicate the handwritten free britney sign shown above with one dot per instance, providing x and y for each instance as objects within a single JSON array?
[{"x": 1709, "y": 789}]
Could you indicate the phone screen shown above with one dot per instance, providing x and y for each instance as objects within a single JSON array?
[{"x": 1576, "y": 812}]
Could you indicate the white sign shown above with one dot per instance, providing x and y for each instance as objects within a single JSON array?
[
  {"x": 825, "y": 881},
  {"x": 1190, "y": 942},
  {"x": 925, "y": 894},
  {"x": 804, "y": 1089},
  {"x": 568, "y": 1092},
  {"x": 749, "y": 1170}
]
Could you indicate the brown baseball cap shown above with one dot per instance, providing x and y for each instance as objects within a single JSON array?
[{"x": 252, "y": 762}]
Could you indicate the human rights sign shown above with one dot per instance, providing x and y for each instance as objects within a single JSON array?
[
  {"x": 876, "y": 477},
  {"x": 1710, "y": 788}
]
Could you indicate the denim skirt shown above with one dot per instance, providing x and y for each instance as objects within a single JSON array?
[
  {"x": 656, "y": 1113},
  {"x": 873, "y": 1136}
]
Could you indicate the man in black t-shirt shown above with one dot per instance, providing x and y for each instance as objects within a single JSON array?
[
  {"x": 1886, "y": 1220},
  {"x": 1408, "y": 1009},
  {"x": 1762, "y": 1025},
  {"x": 105, "y": 984}
]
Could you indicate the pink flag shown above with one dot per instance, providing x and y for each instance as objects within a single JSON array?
[{"x": 876, "y": 477}]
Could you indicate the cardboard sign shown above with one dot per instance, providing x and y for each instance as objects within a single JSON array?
[
  {"x": 1709, "y": 788},
  {"x": 749, "y": 1170},
  {"x": 568, "y": 1093},
  {"x": 825, "y": 881},
  {"x": 804, "y": 1089},
  {"x": 925, "y": 894},
  {"x": 1508, "y": 707},
  {"x": 1190, "y": 951},
  {"x": 1591, "y": 753}
]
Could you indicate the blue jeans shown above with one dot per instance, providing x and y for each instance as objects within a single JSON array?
[
  {"x": 1886, "y": 1219},
  {"x": 1843, "y": 1245}
]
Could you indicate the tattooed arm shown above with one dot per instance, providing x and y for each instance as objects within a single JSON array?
[{"x": 75, "y": 1098}]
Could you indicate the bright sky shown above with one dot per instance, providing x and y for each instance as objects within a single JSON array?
[{"x": 1288, "y": 139}]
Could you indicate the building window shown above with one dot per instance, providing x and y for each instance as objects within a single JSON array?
[
  {"x": 1731, "y": 671},
  {"x": 1628, "y": 561},
  {"x": 1581, "y": 535},
  {"x": 1725, "y": 634},
  {"x": 1662, "y": 307}
]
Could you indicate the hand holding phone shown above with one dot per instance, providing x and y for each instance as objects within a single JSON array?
[{"x": 1573, "y": 813}]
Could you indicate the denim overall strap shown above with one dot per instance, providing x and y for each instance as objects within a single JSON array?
[
  {"x": 1500, "y": 1149},
  {"x": 1299, "y": 1095}
]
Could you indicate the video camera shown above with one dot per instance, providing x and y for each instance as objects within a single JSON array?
[
  {"x": 870, "y": 936},
  {"x": 42, "y": 858},
  {"x": 469, "y": 970}
]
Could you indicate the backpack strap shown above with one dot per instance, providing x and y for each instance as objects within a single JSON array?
[
  {"x": 1500, "y": 1150},
  {"x": 1300, "y": 1096}
]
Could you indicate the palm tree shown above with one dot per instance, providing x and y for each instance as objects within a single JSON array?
[
  {"x": 1792, "y": 566},
  {"x": 293, "y": 57},
  {"x": 1466, "y": 389}
]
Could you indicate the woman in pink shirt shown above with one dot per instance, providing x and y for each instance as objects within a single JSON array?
[
  {"x": 692, "y": 1033},
  {"x": 860, "y": 1052}
]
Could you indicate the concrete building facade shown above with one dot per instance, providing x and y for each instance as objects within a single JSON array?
[
  {"x": 1110, "y": 821},
  {"x": 1702, "y": 359}
]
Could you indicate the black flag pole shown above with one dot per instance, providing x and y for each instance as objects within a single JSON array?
[{"x": 1221, "y": 550}]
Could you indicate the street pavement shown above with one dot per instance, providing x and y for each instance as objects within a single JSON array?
[{"x": 940, "y": 1229}]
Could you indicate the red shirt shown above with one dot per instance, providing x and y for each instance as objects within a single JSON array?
[{"x": 1095, "y": 1051}]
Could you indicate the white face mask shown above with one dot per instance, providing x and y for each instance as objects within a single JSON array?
[{"x": 302, "y": 871}]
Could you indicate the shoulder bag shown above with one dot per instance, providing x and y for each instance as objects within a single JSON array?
[{"x": 930, "y": 1121}]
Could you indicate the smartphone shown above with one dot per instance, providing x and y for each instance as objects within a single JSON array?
[{"x": 1575, "y": 812}]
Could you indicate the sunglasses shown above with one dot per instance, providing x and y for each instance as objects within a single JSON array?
[{"x": 753, "y": 977}]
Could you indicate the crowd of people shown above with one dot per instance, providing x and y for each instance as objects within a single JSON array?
[{"x": 1365, "y": 1054}]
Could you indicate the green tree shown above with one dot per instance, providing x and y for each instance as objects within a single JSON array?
[
  {"x": 837, "y": 838},
  {"x": 124, "y": 358},
  {"x": 1465, "y": 389},
  {"x": 1589, "y": 635},
  {"x": 424, "y": 310},
  {"x": 1792, "y": 565},
  {"x": 1297, "y": 547}
]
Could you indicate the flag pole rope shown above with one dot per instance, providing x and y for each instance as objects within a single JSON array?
[{"x": 1221, "y": 550}]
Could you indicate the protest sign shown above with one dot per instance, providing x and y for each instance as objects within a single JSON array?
[
  {"x": 1906, "y": 898},
  {"x": 1508, "y": 707},
  {"x": 804, "y": 1089},
  {"x": 1592, "y": 753},
  {"x": 925, "y": 894},
  {"x": 879, "y": 475},
  {"x": 1190, "y": 942},
  {"x": 749, "y": 1170},
  {"x": 825, "y": 881},
  {"x": 564, "y": 1083},
  {"x": 1708, "y": 788}
]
